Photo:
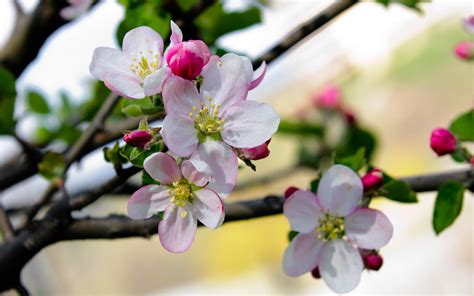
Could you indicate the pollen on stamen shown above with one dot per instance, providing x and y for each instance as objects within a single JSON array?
[{"x": 184, "y": 214}]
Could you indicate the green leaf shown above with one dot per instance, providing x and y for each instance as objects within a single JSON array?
[
  {"x": 448, "y": 205},
  {"x": 135, "y": 108},
  {"x": 7, "y": 101},
  {"x": 215, "y": 22},
  {"x": 113, "y": 155},
  {"x": 355, "y": 162},
  {"x": 463, "y": 126},
  {"x": 356, "y": 138},
  {"x": 413, "y": 4},
  {"x": 186, "y": 5},
  {"x": 137, "y": 156},
  {"x": 37, "y": 103},
  {"x": 52, "y": 166},
  {"x": 148, "y": 180},
  {"x": 300, "y": 129},
  {"x": 461, "y": 155},
  {"x": 398, "y": 191},
  {"x": 314, "y": 185},
  {"x": 292, "y": 234}
]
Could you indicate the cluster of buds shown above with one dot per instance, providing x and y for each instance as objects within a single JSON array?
[{"x": 465, "y": 49}]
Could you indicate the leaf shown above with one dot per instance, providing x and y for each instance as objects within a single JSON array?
[
  {"x": 113, "y": 155},
  {"x": 356, "y": 138},
  {"x": 148, "y": 180},
  {"x": 355, "y": 162},
  {"x": 300, "y": 129},
  {"x": 413, "y": 4},
  {"x": 463, "y": 126},
  {"x": 37, "y": 103},
  {"x": 292, "y": 234},
  {"x": 461, "y": 155},
  {"x": 52, "y": 166},
  {"x": 314, "y": 185},
  {"x": 448, "y": 205},
  {"x": 135, "y": 108},
  {"x": 7, "y": 101},
  {"x": 398, "y": 191},
  {"x": 186, "y": 5},
  {"x": 137, "y": 156}
]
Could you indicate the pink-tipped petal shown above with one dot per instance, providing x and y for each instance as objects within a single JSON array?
[
  {"x": 124, "y": 85},
  {"x": 340, "y": 265},
  {"x": 302, "y": 211},
  {"x": 340, "y": 190},
  {"x": 196, "y": 172},
  {"x": 142, "y": 40},
  {"x": 179, "y": 134},
  {"x": 147, "y": 201},
  {"x": 208, "y": 208},
  {"x": 177, "y": 229},
  {"x": 180, "y": 95},
  {"x": 302, "y": 255},
  {"x": 153, "y": 83},
  {"x": 109, "y": 61},
  {"x": 258, "y": 76},
  {"x": 176, "y": 34},
  {"x": 162, "y": 167},
  {"x": 223, "y": 164},
  {"x": 368, "y": 228},
  {"x": 249, "y": 124}
]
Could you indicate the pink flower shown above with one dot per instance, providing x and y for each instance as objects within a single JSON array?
[
  {"x": 331, "y": 228},
  {"x": 136, "y": 71},
  {"x": 183, "y": 196},
  {"x": 186, "y": 59},
  {"x": 443, "y": 141},
  {"x": 465, "y": 50},
  {"x": 372, "y": 180},
  {"x": 329, "y": 98},
  {"x": 75, "y": 9},
  {"x": 137, "y": 138},
  {"x": 468, "y": 24},
  {"x": 255, "y": 153}
]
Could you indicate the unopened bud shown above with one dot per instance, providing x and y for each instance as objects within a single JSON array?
[
  {"x": 328, "y": 98},
  {"x": 186, "y": 59},
  {"x": 465, "y": 50},
  {"x": 443, "y": 141},
  {"x": 372, "y": 180},
  {"x": 290, "y": 190},
  {"x": 373, "y": 261},
  {"x": 137, "y": 138},
  {"x": 255, "y": 153},
  {"x": 315, "y": 273}
]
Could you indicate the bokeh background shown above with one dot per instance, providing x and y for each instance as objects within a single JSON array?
[{"x": 398, "y": 74}]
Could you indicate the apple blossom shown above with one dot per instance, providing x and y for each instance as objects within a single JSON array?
[
  {"x": 183, "y": 196},
  {"x": 136, "y": 71},
  {"x": 443, "y": 141},
  {"x": 331, "y": 228}
]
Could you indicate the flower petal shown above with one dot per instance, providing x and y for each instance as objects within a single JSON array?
[
  {"x": 208, "y": 208},
  {"x": 196, "y": 171},
  {"x": 302, "y": 211},
  {"x": 302, "y": 255},
  {"x": 340, "y": 265},
  {"x": 124, "y": 85},
  {"x": 224, "y": 81},
  {"x": 162, "y": 167},
  {"x": 176, "y": 34},
  {"x": 142, "y": 40},
  {"x": 258, "y": 76},
  {"x": 340, "y": 190},
  {"x": 153, "y": 83},
  {"x": 147, "y": 201},
  {"x": 177, "y": 229},
  {"x": 249, "y": 124},
  {"x": 180, "y": 95},
  {"x": 109, "y": 61},
  {"x": 179, "y": 134},
  {"x": 368, "y": 228}
]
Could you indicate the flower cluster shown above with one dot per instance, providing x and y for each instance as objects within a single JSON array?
[
  {"x": 209, "y": 124},
  {"x": 336, "y": 235}
]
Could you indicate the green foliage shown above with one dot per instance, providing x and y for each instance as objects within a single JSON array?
[
  {"x": 463, "y": 126},
  {"x": 186, "y": 5},
  {"x": 37, "y": 103},
  {"x": 300, "y": 129},
  {"x": 398, "y": 191},
  {"x": 461, "y": 155},
  {"x": 135, "y": 108},
  {"x": 448, "y": 205},
  {"x": 136, "y": 156},
  {"x": 7, "y": 101},
  {"x": 355, "y": 161},
  {"x": 215, "y": 22},
  {"x": 113, "y": 155},
  {"x": 148, "y": 180},
  {"x": 292, "y": 234},
  {"x": 414, "y": 4},
  {"x": 313, "y": 186},
  {"x": 52, "y": 166},
  {"x": 356, "y": 138}
]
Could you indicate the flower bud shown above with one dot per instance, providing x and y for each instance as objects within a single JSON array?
[
  {"x": 255, "y": 153},
  {"x": 315, "y": 273},
  {"x": 186, "y": 59},
  {"x": 290, "y": 190},
  {"x": 328, "y": 98},
  {"x": 465, "y": 50},
  {"x": 372, "y": 180},
  {"x": 373, "y": 261},
  {"x": 443, "y": 141},
  {"x": 137, "y": 138},
  {"x": 349, "y": 116}
]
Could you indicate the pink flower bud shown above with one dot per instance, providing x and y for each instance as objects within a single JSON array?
[
  {"x": 290, "y": 190},
  {"x": 315, "y": 273},
  {"x": 372, "y": 180},
  {"x": 465, "y": 50},
  {"x": 349, "y": 116},
  {"x": 443, "y": 141},
  {"x": 373, "y": 261},
  {"x": 186, "y": 59},
  {"x": 137, "y": 138},
  {"x": 328, "y": 98},
  {"x": 255, "y": 153}
]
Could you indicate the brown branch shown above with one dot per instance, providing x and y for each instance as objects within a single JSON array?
[{"x": 6, "y": 226}]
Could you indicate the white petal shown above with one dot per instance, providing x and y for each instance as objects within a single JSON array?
[
  {"x": 180, "y": 95},
  {"x": 196, "y": 171},
  {"x": 177, "y": 229},
  {"x": 258, "y": 76},
  {"x": 301, "y": 256},
  {"x": 162, "y": 167},
  {"x": 249, "y": 124},
  {"x": 368, "y": 228},
  {"x": 208, "y": 208},
  {"x": 223, "y": 164},
  {"x": 176, "y": 34},
  {"x": 302, "y": 211},
  {"x": 153, "y": 83},
  {"x": 147, "y": 201},
  {"x": 340, "y": 190},
  {"x": 340, "y": 265},
  {"x": 142, "y": 40},
  {"x": 124, "y": 85},
  {"x": 109, "y": 61},
  {"x": 179, "y": 134}
]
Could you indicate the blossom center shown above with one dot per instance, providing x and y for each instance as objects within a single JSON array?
[
  {"x": 330, "y": 227},
  {"x": 144, "y": 65},
  {"x": 181, "y": 193},
  {"x": 206, "y": 118}
]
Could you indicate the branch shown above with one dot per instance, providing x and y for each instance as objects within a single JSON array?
[{"x": 6, "y": 226}]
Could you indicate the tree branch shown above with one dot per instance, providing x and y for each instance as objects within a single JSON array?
[{"x": 6, "y": 226}]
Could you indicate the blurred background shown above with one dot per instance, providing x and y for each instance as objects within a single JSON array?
[{"x": 398, "y": 75}]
